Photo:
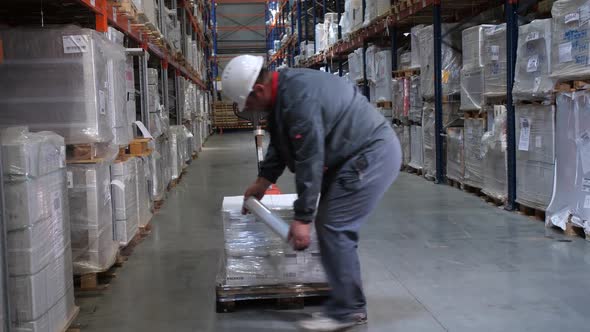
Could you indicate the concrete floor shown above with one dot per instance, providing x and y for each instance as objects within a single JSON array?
[{"x": 434, "y": 259}]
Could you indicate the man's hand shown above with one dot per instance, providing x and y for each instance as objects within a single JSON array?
[
  {"x": 256, "y": 189},
  {"x": 299, "y": 235}
]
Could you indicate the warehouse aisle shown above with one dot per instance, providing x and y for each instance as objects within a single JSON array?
[{"x": 434, "y": 259}]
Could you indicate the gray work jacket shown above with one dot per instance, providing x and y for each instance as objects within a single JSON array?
[{"x": 319, "y": 121}]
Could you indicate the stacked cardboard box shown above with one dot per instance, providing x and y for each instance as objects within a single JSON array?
[
  {"x": 255, "y": 256},
  {"x": 38, "y": 239}
]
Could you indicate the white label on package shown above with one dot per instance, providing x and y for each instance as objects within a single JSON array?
[
  {"x": 495, "y": 52},
  {"x": 584, "y": 14},
  {"x": 572, "y": 17},
  {"x": 584, "y": 147},
  {"x": 565, "y": 52},
  {"x": 70, "y": 179},
  {"x": 115, "y": 14},
  {"x": 525, "y": 134},
  {"x": 538, "y": 141},
  {"x": 532, "y": 64},
  {"x": 102, "y": 102},
  {"x": 56, "y": 204},
  {"x": 62, "y": 156},
  {"x": 144, "y": 131},
  {"x": 586, "y": 185},
  {"x": 533, "y": 35},
  {"x": 75, "y": 44}
]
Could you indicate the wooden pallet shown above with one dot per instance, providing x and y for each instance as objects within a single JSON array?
[
  {"x": 158, "y": 205},
  {"x": 572, "y": 230},
  {"x": 83, "y": 153},
  {"x": 281, "y": 296},
  {"x": 96, "y": 281},
  {"x": 417, "y": 171},
  {"x": 454, "y": 183},
  {"x": 474, "y": 115},
  {"x": 534, "y": 213},
  {"x": 69, "y": 327},
  {"x": 472, "y": 190},
  {"x": 492, "y": 200},
  {"x": 573, "y": 85},
  {"x": 126, "y": 251},
  {"x": 385, "y": 104},
  {"x": 406, "y": 73},
  {"x": 145, "y": 230}
]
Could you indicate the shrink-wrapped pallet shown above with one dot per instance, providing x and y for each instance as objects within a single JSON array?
[
  {"x": 472, "y": 86},
  {"x": 473, "y": 46},
  {"x": 450, "y": 60},
  {"x": 38, "y": 230},
  {"x": 355, "y": 67},
  {"x": 177, "y": 148},
  {"x": 416, "y": 149},
  {"x": 494, "y": 156},
  {"x": 91, "y": 216},
  {"x": 570, "y": 40},
  {"x": 124, "y": 191},
  {"x": 397, "y": 97},
  {"x": 58, "y": 79},
  {"x": 157, "y": 172},
  {"x": 495, "y": 61},
  {"x": 404, "y": 60},
  {"x": 532, "y": 79},
  {"x": 370, "y": 62},
  {"x": 383, "y": 76},
  {"x": 144, "y": 202},
  {"x": 255, "y": 256},
  {"x": 474, "y": 131},
  {"x": 403, "y": 133},
  {"x": 535, "y": 154},
  {"x": 415, "y": 46},
  {"x": 570, "y": 200},
  {"x": 455, "y": 154},
  {"x": 428, "y": 140}
]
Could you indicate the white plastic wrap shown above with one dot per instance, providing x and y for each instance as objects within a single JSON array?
[
  {"x": 473, "y": 133},
  {"x": 428, "y": 143},
  {"x": 383, "y": 76},
  {"x": 130, "y": 88},
  {"x": 404, "y": 59},
  {"x": 414, "y": 109},
  {"x": 570, "y": 200},
  {"x": 494, "y": 156},
  {"x": 144, "y": 202},
  {"x": 535, "y": 155},
  {"x": 451, "y": 61},
  {"x": 256, "y": 256},
  {"x": 355, "y": 65},
  {"x": 38, "y": 228},
  {"x": 91, "y": 216},
  {"x": 495, "y": 61},
  {"x": 124, "y": 191},
  {"x": 321, "y": 38},
  {"x": 570, "y": 39},
  {"x": 415, "y": 46},
  {"x": 472, "y": 86},
  {"x": 473, "y": 46},
  {"x": 403, "y": 133},
  {"x": 455, "y": 154},
  {"x": 416, "y": 150},
  {"x": 149, "y": 9},
  {"x": 533, "y": 62},
  {"x": 178, "y": 143},
  {"x": 117, "y": 97},
  {"x": 56, "y": 79},
  {"x": 397, "y": 97},
  {"x": 371, "y": 63}
]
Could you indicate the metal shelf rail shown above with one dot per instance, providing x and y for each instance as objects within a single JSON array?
[{"x": 402, "y": 16}]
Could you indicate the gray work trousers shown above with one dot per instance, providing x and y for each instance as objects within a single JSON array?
[{"x": 349, "y": 195}]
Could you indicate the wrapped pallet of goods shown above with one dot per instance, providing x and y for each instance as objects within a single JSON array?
[
  {"x": 475, "y": 128},
  {"x": 570, "y": 202},
  {"x": 383, "y": 76},
  {"x": 450, "y": 60},
  {"x": 495, "y": 61},
  {"x": 39, "y": 255},
  {"x": 124, "y": 195},
  {"x": 416, "y": 150},
  {"x": 403, "y": 133},
  {"x": 570, "y": 39},
  {"x": 428, "y": 144},
  {"x": 472, "y": 73},
  {"x": 535, "y": 154},
  {"x": 494, "y": 146},
  {"x": 158, "y": 171},
  {"x": 405, "y": 60},
  {"x": 415, "y": 46},
  {"x": 178, "y": 150},
  {"x": 255, "y": 256},
  {"x": 144, "y": 202},
  {"x": 532, "y": 79},
  {"x": 414, "y": 96},
  {"x": 455, "y": 154},
  {"x": 355, "y": 67}
]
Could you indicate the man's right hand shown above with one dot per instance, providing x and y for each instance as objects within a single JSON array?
[{"x": 256, "y": 189}]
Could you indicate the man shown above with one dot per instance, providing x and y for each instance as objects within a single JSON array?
[{"x": 344, "y": 154}]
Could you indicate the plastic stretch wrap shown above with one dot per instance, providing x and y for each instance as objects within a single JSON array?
[
  {"x": 321, "y": 38},
  {"x": 472, "y": 86},
  {"x": 197, "y": 140},
  {"x": 355, "y": 65},
  {"x": 397, "y": 97},
  {"x": 455, "y": 154},
  {"x": 371, "y": 63},
  {"x": 474, "y": 131},
  {"x": 374, "y": 9},
  {"x": 178, "y": 142},
  {"x": 473, "y": 46},
  {"x": 403, "y": 132},
  {"x": 38, "y": 227},
  {"x": 383, "y": 76},
  {"x": 570, "y": 39},
  {"x": 494, "y": 157},
  {"x": 415, "y": 95},
  {"x": 124, "y": 191},
  {"x": 116, "y": 36},
  {"x": 416, "y": 150},
  {"x": 428, "y": 137},
  {"x": 157, "y": 176},
  {"x": 494, "y": 72},
  {"x": 451, "y": 60},
  {"x": 415, "y": 46},
  {"x": 256, "y": 256},
  {"x": 117, "y": 97},
  {"x": 91, "y": 217},
  {"x": 405, "y": 60},
  {"x": 57, "y": 79},
  {"x": 533, "y": 62},
  {"x": 153, "y": 76},
  {"x": 149, "y": 9},
  {"x": 144, "y": 202},
  {"x": 570, "y": 200},
  {"x": 352, "y": 19},
  {"x": 188, "y": 146},
  {"x": 130, "y": 88},
  {"x": 535, "y": 155},
  {"x": 331, "y": 26}
]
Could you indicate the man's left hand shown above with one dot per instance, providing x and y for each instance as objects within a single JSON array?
[{"x": 299, "y": 235}]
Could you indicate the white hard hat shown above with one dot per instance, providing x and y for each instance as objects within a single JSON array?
[{"x": 239, "y": 76}]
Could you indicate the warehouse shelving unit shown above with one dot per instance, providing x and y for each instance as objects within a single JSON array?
[{"x": 386, "y": 30}]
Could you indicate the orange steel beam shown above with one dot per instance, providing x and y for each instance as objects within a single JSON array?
[{"x": 102, "y": 20}]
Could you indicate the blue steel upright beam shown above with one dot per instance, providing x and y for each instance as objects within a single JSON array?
[
  {"x": 214, "y": 30},
  {"x": 511, "y": 7},
  {"x": 338, "y": 10},
  {"x": 299, "y": 28},
  {"x": 305, "y": 18},
  {"x": 438, "y": 121}
]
